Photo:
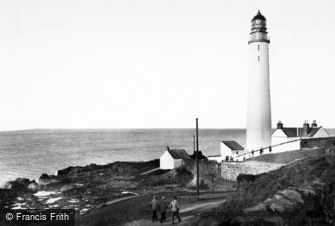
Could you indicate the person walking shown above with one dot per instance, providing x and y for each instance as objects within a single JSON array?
[
  {"x": 175, "y": 209},
  {"x": 154, "y": 208},
  {"x": 163, "y": 206}
]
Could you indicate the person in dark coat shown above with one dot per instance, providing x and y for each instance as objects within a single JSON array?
[
  {"x": 163, "y": 206},
  {"x": 154, "y": 208}
]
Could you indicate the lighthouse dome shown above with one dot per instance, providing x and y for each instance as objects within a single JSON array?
[{"x": 259, "y": 16}]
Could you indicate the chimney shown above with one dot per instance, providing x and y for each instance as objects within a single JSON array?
[
  {"x": 279, "y": 125},
  {"x": 305, "y": 129},
  {"x": 314, "y": 125}
]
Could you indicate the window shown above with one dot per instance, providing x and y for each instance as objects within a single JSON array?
[
  {"x": 258, "y": 47},
  {"x": 258, "y": 58}
]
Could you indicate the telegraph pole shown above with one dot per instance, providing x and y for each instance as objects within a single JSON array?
[
  {"x": 193, "y": 144},
  {"x": 197, "y": 154}
]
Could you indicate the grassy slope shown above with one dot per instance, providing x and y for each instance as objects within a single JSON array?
[
  {"x": 286, "y": 157},
  {"x": 298, "y": 174}
]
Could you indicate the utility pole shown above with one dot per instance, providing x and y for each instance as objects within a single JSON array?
[
  {"x": 197, "y": 154},
  {"x": 194, "y": 144}
]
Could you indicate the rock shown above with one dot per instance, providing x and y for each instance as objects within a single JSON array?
[
  {"x": 276, "y": 207},
  {"x": 330, "y": 156},
  {"x": 307, "y": 192},
  {"x": 259, "y": 209},
  {"x": 292, "y": 195},
  {"x": 33, "y": 186},
  {"x": 67, "y": 187},
  {"x": 45, "y": 179},
  {"x": 258, "y": 221},
  {"x": 8, "y": 185}
]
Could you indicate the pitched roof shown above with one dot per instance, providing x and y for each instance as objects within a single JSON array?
[
  {"x": 178, "y": 154},
  {"x": 292, "y": 131},
  {"x": 298, "y": 131},
  {"x": 313, "y": 131},
  {"x": 233, "y": 145}
]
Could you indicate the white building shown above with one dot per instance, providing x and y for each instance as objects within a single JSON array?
[
  {"x": 173, "y": 158},
  {"x": 284, "y": 134},
  {"x": 259, "y": 106},
  {"x": 229, "y": 150}
]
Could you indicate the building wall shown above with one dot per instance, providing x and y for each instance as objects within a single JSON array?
[
  {"x": 177, "y": 162},
  {"x": 166, "y": 161},
  {"x": 282, "y": 147},
  {"x": 216, "y": 158},
  {"x": 259, "y": 106},
  {"x": 278, "y": 137},
  {"x": 230, "y": 170},
  {"x": 289, "y": 146},
  {"x": 225, "y": 150}
]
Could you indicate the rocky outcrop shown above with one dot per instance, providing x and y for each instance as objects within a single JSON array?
[
  {"x": 80, "y": 188},
  {"x": 300, "y": 193},
  {"x": 293, "y": 206}
]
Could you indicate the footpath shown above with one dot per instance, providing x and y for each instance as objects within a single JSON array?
[{"x": 187, "y": 213}]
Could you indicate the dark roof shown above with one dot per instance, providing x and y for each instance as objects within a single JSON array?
[
  {"x": 292, "y": 131},
  {"x": 313, "y": 131},
  {"x": 178, "y": 154},
  {"x": 298, "y": 131},
  {"x": 259, "y": 16},
  {"x": 233, "y": 145}
]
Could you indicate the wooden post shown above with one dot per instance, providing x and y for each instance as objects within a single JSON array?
[
  {"x": 197, "y": 154},
  {"x": 194, "y": 144}
]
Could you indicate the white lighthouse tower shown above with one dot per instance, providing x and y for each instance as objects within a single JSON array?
[{"x": 259, "y": 105}]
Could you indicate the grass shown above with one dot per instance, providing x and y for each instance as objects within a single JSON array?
[{"x": 298, "y": 174}]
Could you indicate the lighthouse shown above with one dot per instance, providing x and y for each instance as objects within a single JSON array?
[{"x": 259, "y": 105}]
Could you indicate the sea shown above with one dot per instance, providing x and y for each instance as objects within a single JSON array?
[{"x": 30, "y": 153}]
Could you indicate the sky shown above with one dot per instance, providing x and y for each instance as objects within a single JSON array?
[{"x": 160, "y": 63}]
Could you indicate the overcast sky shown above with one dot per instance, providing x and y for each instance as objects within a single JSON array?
[{"x": 160, "y": 64}]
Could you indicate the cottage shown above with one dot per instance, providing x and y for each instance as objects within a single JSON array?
[
  {"x": 229, "y": 150},
  {"x": 173, "y": 158},
  {"x": 284, "y": 134}
]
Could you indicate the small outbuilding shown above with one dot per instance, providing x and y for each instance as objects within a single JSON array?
[
  {"x": 173, "y": 158},
  {"x": 229, "y": 150}
]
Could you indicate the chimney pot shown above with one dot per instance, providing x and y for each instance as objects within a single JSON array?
[
  {"x": 314, "y": 124},
  {"x": 279, "y": 125},
  {"x": 305, "y": 129}
]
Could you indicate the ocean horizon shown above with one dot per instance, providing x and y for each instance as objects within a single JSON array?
[{"x": 30, "y": 153}]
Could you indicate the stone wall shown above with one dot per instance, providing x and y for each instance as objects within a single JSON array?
[
  {"x": 205, "y": 167},
  {"x": 230, "y": 170},
  {"x": 209, "y": 172},
  {"x": 326, "y": 142}
]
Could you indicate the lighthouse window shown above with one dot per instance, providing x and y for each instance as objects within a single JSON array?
[
  {"x": 258, "y": 58},
  {"x": 258, "y": 47}
]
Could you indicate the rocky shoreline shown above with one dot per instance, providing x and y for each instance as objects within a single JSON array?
[{"x": 84, "y": 188}]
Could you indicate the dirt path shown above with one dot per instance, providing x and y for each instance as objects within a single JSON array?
[{"x": 187, "y": 213}]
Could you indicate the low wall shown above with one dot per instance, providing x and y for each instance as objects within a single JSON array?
[
  {"x": 205, "y": 167},
  {"x": 230, "y": 170},
  {"x": 326, "y": 142}
]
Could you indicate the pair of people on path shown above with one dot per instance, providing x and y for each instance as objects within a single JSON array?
[{"x": 162, "y": 207}]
